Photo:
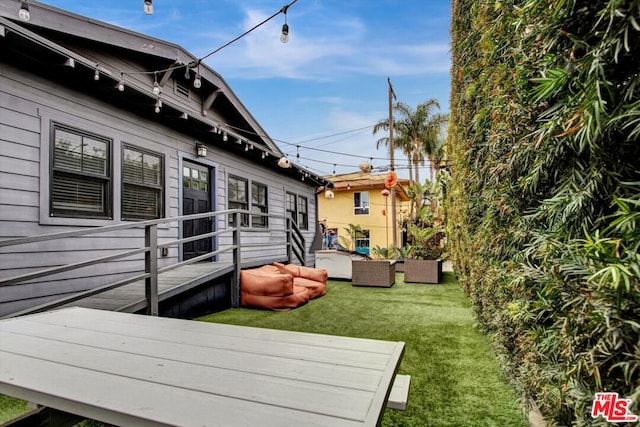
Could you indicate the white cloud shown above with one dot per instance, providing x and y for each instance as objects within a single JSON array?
[{"x": 318, "y": 51}]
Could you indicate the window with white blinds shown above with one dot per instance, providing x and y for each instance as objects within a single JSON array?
[
  {"x": 142, "y": 184},
  {"x": 81, "y": 174}
]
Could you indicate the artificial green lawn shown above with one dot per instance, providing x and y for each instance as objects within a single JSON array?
[
  {"x": 11, "y": 408},
  {"x": 455, "y": 377}
]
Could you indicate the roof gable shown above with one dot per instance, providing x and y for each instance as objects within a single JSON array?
[{"x": 117, "y": 54}]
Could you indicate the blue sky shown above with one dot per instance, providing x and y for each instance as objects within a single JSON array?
[{"x": 327, "y": 87}]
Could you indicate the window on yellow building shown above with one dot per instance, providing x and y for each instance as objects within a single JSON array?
[{"x": 361, "y": 203}]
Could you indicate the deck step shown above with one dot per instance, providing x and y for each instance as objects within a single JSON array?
[{"x": 399, "y": 393}]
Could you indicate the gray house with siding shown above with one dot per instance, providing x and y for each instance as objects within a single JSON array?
[{"x": 101, "y": 126}]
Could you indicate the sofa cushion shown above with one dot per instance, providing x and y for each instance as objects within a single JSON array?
[
  {"x": 260, "y": 282},
  {"x": 268, "y": 268},
  {"x": 317, "y": 274},
  {"x": 300, "y": 296},
  {"x": 316, "y": 289}
]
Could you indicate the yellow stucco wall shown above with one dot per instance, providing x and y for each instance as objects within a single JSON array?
[{"x": 339, "y": 212}]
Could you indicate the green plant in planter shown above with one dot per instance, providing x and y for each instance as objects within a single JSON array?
[
  {"x": 426, "y": 234},
  {"x": 384, "y": 253},
  {"x": 426, "y": 242}
]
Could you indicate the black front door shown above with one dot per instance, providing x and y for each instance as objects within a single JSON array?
[{"x": 196, "y": 198}]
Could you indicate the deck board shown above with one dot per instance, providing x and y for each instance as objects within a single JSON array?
[
  {"x": 173, "y": 282},
  {"x": 128, "y": 369}
]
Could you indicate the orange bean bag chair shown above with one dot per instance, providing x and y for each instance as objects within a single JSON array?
[
  {"x": 266, "y": 287},
  {"x": 314, "y": 279}
]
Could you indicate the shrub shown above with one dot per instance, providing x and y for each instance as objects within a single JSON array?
[{"x": 543, "y": 205}]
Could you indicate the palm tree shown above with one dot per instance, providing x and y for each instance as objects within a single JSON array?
[
  {"x": 433, "y": 142},
  {"x": 406, "y": 150},
  {"x": 417, "y": 134}
]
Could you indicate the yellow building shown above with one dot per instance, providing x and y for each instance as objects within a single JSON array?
[{"x": 359, "y": 199}]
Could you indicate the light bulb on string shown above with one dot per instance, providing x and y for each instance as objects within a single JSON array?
[
  {"x": 156, "y": 86},
  {"x": 284, "y": 36},
  {"x": 96, "y": 75},
  {"x": 23, "y": 13},
  {"x": 197, "y": 83},
  {"x": 148, "y": 7},
  {"x": 158, "y": 106},
  {"x": 121, "y": 83}
]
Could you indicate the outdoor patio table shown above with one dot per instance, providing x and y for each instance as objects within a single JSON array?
[{"x": 128, "y": 369}]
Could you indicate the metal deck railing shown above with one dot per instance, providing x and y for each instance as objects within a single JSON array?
[{"x": 292, "y": 238}]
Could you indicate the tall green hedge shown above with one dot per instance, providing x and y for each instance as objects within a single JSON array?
[{"x": 544, "y": 205}]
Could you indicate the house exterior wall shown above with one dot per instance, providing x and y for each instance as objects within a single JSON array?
[
  {"x": 29, "y": 104},
  {"x": 339, "y": 212}
]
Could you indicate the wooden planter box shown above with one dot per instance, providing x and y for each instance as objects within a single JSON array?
[
  {"x": 380, "y": 273},
  {"x": 422, "y": 271}
]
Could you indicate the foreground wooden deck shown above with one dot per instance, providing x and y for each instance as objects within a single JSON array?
[
  {"x": 128, "y": 369},
  {"x": 130, "y": 298}
]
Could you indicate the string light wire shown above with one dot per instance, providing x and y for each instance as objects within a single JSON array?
[{"x": 199, "y": 60}]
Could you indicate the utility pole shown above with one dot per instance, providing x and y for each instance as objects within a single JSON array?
[{"x": 394, "y": 224}]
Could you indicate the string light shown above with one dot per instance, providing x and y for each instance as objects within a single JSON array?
[
  {"x": 148, "y": 7},
  {"x": 284, "y": 37},
  {"x": 96, "y": 75},
  {"x": 197, "y": 83},
  {"x": 23, "y": 13},
  {"x": 121, "y": 83},
  {"x": 156, "y": 86},
  {"x": 225, "y": 137},
  {"x": 158, "y": 105}
]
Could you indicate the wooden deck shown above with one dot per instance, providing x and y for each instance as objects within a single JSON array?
[
  {"x": 128, "y": 369},
  {"x": 130, "y": 298}
]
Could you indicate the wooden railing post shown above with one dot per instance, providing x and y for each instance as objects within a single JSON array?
[
  {"x": 151, "y": 268},
  {"x": 237, "y": 261}
]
